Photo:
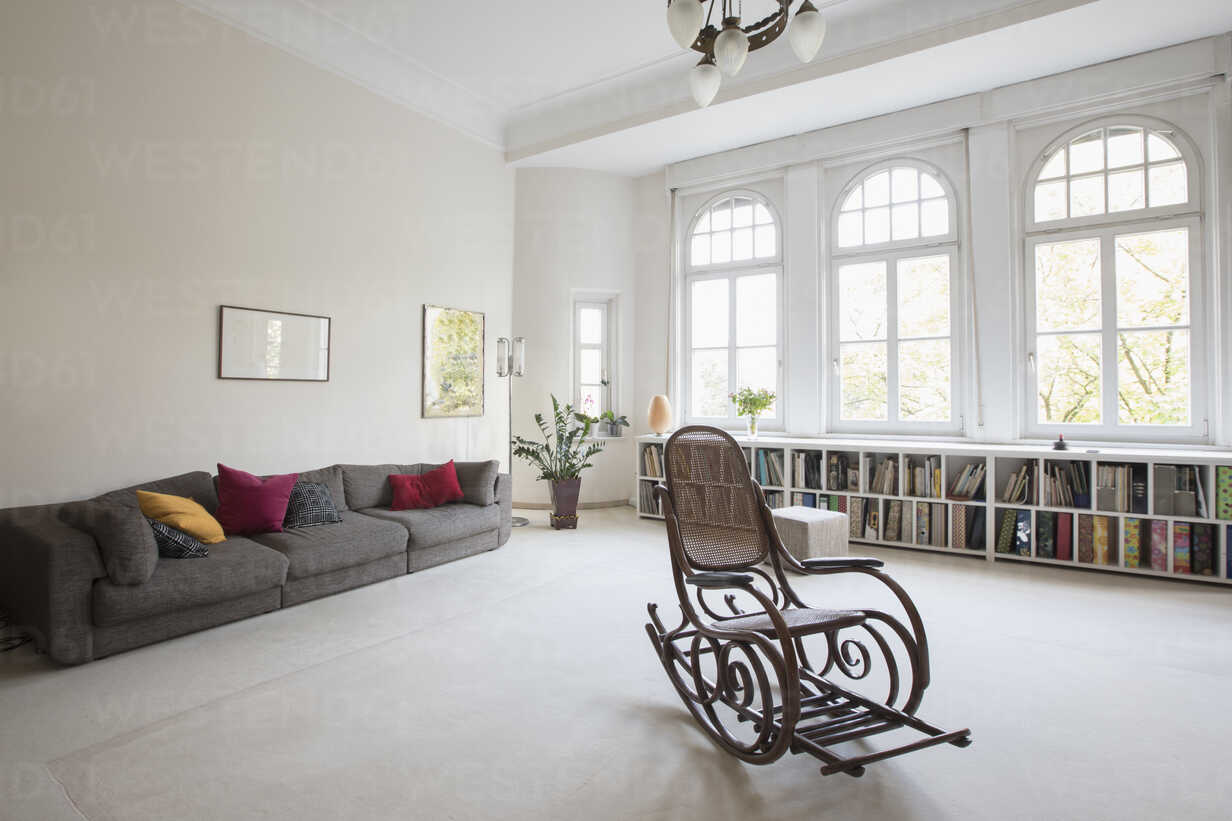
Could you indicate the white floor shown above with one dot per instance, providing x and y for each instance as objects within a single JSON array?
[{"x": 520, "y": 684}]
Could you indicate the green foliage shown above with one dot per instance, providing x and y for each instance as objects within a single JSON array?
[
  {"x": 612, "y": 419},
  {"x": 752, "y": 403},
  {"x": 455, "y": 372},
  {"x": 564, "y": 452}
]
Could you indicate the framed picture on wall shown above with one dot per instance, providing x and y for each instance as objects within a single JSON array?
[
  {"x": 272, "y": 345},
  {"x": 452, "y": 362}
]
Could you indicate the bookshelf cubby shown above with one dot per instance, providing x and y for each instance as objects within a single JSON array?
[{"x": 1062, "y": 521}]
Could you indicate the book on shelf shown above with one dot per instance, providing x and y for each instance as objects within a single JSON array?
[
  {"x": 1158, "y": 542},
  {"x": 1046, "y": 534},
  {"x": 774, "y": 498},
  {"x": 883, "y": 475},
  {"x": 841, "y": 474},
  {"x": 646, "y": 499},
  {"x": 833, "y": 502},
  {"x": 1064, "y": 484},
  {"x": 1180, "y": 547},
  {"x": 855, "y": 517},
  {"x": 958, "y": 521},
  {"x": 1121, "y": 488},
  {"x": 770, "y": 467},
  {"x": 843, "y": 504},
  {"x": 871, "y": 524},
  {"x": 922, "y": 528},
  {"x": 1020, "y": 489},
  {"x": 1005, "y": 531},
  {"x": 1179, "y": 491},
  {"x": 804, "y": 499},
  {"x": 894, "y": 520},
  {"x": 1086, "y": 539},
  {"x": 1227, "y": 571},
  {"x": 937, "y": 525},
  {"x": 1202, "y": 552},
  {"x": 977, "y": 530},
  {"x": 652, "y": 461},
  {"x": 923, "y": 477},
  {"x": 1133, "y": 542},
  {"x": 1022, "y": 533},
  {"x": 1104, "y": 540},
  {"x": 807, "y": 467},
  {"x": 969, "y": 485},
  {"x": 1065, "y": 537},
  {"x": 1223, "y": 493}
]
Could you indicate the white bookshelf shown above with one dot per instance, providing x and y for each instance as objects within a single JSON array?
[{"x": 1001, "y": 462}]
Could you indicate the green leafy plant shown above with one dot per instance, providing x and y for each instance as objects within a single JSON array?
[
  {"x": 611, "y": 418},
  {"x": 564, "y": 452},
  {"x": 752, "y": 403}
]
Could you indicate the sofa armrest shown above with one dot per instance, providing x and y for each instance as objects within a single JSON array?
[
  {"x": 47, "y": 573},
  {"x": 504, "y": 498}
]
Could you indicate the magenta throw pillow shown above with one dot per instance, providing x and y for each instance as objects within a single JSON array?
[{"x": 249, "y": 504}]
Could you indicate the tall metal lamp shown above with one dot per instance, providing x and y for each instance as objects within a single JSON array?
[{"x": 511, "y": 362}]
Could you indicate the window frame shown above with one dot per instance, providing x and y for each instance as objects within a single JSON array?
[
  {"x": 1189, "y": 215},
  {"x": 892, "y": 252},
  {"x": 604, "y": 347},
  {"x": 731, "y": 271}
]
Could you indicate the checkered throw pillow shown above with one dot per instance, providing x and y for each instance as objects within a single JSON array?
[
  {"x": 176, "y": 544},
  {"x": 311, "y": 504}
]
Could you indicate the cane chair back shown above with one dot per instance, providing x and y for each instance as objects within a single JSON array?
[{"x": 716, "y": 505}]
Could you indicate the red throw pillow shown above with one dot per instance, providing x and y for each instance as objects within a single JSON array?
[
  {"x": 410, "y": 493},
  {"x": 249, "y": 504},
  {"x": 442, "y": 483}
]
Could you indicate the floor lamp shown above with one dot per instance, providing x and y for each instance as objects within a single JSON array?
[{"x": 511, "y": 362}]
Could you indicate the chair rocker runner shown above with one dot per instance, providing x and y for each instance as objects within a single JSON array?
[{"x": 746, "y": 676}]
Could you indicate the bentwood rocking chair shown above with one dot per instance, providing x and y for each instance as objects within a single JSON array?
[{"x": 746, "y": 676}]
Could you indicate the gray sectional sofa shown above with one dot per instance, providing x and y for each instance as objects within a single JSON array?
[{"x": 55, "y": 585}]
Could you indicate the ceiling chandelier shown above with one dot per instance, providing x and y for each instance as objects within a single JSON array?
[{"x": 725, "y": 43}]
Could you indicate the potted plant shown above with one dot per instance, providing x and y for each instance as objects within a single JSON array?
[
  {"x": 614, "y": 423},
  {"x": 752, "y": 404},
  {"x": 560, "y": 458}
]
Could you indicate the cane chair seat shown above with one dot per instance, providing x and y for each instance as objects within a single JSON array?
[{"x": 800, "y": 621}]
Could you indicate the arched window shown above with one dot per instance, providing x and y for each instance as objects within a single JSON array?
[
  {"x": 894, "y": 301},
  {"x": 733, "y": 273},
  {"x": 1114, "y": 342}
]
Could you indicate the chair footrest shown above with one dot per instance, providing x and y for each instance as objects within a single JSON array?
[{"x": 836, "y": 716}]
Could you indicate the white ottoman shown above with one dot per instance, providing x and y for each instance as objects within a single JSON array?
[{"x": 809, "y": 532}]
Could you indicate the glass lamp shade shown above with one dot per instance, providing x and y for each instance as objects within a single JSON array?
[
  {"x": 518, "y": 357},
  {"x": 806, "y": 32},
  {"x": 731, "y": 47},
  {"x": 659, "y": 414},
  {"x": 502, "y": 357},
  {"x": 704, "y": 81},
  {"x": 684, "y": 19}
]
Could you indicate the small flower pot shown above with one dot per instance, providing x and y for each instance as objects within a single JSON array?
[
  {"x": 613, "y": 429},
  {"x": 564, "y": 503}
]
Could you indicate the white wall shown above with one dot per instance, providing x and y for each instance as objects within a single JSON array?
[
  {"x": 1004, "y": 129},
  {"x": 158, "y": 164},
  {"x": 574, "y": 235}
]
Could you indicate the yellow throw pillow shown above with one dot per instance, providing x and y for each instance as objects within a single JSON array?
[{"x": 182, "y": 514}]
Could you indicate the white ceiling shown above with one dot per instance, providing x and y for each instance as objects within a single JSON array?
[{"x": 603, "y": 85}]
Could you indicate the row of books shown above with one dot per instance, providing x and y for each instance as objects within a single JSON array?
[
  {"x": 1065, "y": 484},
  {"x": 970, "y": 483},
  {"x": 969, "y": 531},
  {"x": 652, "y": 461},
  {"x": 1178, "y": 490},
  {"x": 770, "y": 467},
  {"x": 841, "y": 475},
  {"x": 1020, "y": 487},
  {"x": 1121, "y": 488},
  {"x": 930, "y": 524},
  {"x": 646, "y": 499},
  {"x": 825, "y": 502},
  {"x": 774, "y": 498},
  {"x": 807, "y": 468},
  {"x": 923, "y": 477},
  {"x": 884, "y": 475}
]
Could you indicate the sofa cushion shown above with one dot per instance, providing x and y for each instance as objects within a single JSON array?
[
  {"x": 235, "y": 568},
  {"x": 182, "y": 513},
  {"x": 197, "y": 485},
  {"x": 248, "y": 504},
  {"x": 442, "y": 524},
  {"x": 176, "y": 544},
  {"x": 311, "y": 504},
  {"x": 478, "y": 480},
  {"x": 368, "y": 485},
  {"x": 331, "y": 477},
  {"x": 354, "y": 541},
  {"x": 124, "y": 540}
]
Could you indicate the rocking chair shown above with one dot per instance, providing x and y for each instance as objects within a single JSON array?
[{"x": 730, "y": 667}]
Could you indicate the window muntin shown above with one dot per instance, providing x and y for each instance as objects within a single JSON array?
[
  {"x": 591, "y": 356},
  {"x": 732, "y": 294},
  {"x": 1109, "y": 171},
  {"x": 894, "y": 262},
  {"x": 1113, "y": 329},
  {"x": 739, "y": 228},
  {"x": 896, "y": 204}
]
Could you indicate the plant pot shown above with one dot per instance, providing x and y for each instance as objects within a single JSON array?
[
  {"x": 752, "y": 426},
  {"x": 564, "y": 503},
  {"x": 613, "y": 429}
]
